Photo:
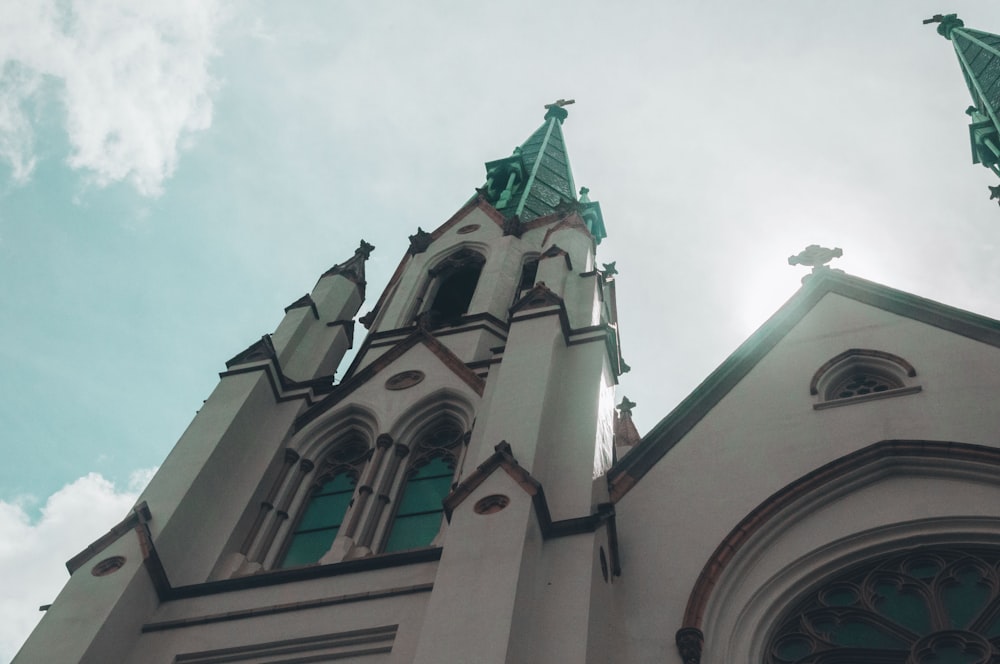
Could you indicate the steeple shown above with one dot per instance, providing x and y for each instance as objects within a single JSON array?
[
  {"x": 537, "y": 179},
  {"x": 979, "y": 57}
]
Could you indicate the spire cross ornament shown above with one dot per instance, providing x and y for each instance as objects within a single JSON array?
[
  {"x": 948, "y": 23},
  {"x": 559, "y": 103},
  {"x": 816, "y": 257}
]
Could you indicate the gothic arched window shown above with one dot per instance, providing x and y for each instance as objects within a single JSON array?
[
  {"x": 928, "y": 606},
  {"x": 529, "y": 274},
  {"x": 320, "y": 521},
  {"x": 324, "y": 508},
  {"x": 454, "y": 284},
  {"x": 429, "y": 479},
  {"x": 861, "y": 375},
  {"x": 418, "y": 517}
]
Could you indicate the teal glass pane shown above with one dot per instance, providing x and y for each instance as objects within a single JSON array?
[
  {"x": 307, "y": 548},
  {"x": 952, "y": 654},
  {"x": 992, "y": 629},
  {"x": 411, "y": 532},
  {"x": 325, "y": 511},
  {"x": 424, "y": 495},
  {"x": 905, "y": 607},
  {"x": 857, "y": 634},
  {"x": 965, "y": 597},
  {"x": 923, "y": 568},
  {"x": 793, "y": 648},
  {"x": 840, "y": 595}
]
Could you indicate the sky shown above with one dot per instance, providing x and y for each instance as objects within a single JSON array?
[{"x": 172, "y": 175}]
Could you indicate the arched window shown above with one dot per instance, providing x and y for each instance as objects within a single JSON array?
[
  {"x": 939, "y": 606},
  {"x": 454, "y": 284},
  {"x": 324, "y": 508},
  {"x": 860, "y": 375},
  {"x": 419, "y": 511},
  {"x": 529, "y": 273},
  {"x": 320, "y": 521},
  {"x": 418, "y": 517}
]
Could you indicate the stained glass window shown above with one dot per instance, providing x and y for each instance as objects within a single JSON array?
[
  {"x": 418, "y": 516},
  {"x": 864, "y": 382},
  {"x": 320, "y": 522},
  {"x": 937, "y": 606}
]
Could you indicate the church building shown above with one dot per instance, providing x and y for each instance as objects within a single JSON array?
[{"x": 467, "y": 491}]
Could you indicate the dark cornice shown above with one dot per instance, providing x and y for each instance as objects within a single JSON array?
[
  {"x": 139, "y": 514},
  {"x": 540, "y": 302},
  {"x": 261, "y": 356},
  {"x": 419, "y": 335},
  {"x": 655, "y": 444},
  {"x": 503, "y": 458},
  {"x": 138, "y": 521}
]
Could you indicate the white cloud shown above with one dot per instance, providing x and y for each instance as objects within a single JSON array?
[
  {"x": 132, "y": 77},
  {"x": 33, "y": 555}
]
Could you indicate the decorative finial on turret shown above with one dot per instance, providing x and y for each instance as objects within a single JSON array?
[
  {"x": 626, "y": 406},
  {"x": 994, "y": 192},
  {"x": 948, "y": 23},
  {"x": 419, "y": 241},
  {"x": 816, "y": 257},
  {"x": 556, "y": 110},
  {"x": 354, "y": 267},
  {"x": 626, "y": 435},
  {"x": 609, "y": 269}
]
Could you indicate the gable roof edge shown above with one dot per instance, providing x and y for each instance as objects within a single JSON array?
[{"x": 671, "y": 429}]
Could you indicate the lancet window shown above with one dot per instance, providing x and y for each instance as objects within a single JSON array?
[
  {"x": 322, "y": 512},
  {"x": 939, "y": 606},
  {"x": 453, "y": 285},
  {"x": 529, "y": 274},
  {"x": 358, "y": 500},
  {"x": 418, "y": 514}
]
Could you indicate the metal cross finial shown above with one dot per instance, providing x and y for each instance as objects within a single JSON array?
[
  {"x": 816, "y": 257},
  {"x": 560, "y": 103},
  {"x": 948, "y": 23}
]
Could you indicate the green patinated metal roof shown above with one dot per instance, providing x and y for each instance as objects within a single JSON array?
[
  {"x": 979, "y": 57},
  {"x": 549, "y": 177},
  {"x": 537, "y": 179}
]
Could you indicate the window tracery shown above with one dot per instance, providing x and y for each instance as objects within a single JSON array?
[
  {"x": 325, "y": 507},
  {"x": 419, "y": 510},
  {"x": 361, "y": 500},
  {"x": 860, "y": 375},
  {"x": 928, "y": 606}
]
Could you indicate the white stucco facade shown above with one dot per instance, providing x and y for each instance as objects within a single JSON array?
[{"x": 770, "y": 479}]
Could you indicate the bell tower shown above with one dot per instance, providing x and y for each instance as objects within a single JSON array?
[{"x": 444, "y": 500}]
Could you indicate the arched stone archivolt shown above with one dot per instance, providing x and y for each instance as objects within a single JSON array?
[
  {"x": 449, "y": 287},
  {"x": 925, "y": 605},
  {"x": 861, "y": 374},
  {"x": 886, "y": 498},
  {"x": 338, "y": 493}
]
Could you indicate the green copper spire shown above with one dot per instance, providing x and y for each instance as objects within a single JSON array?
[
  {"x": 537, "y": 179},
  {"x": 979, "y": 56}
]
